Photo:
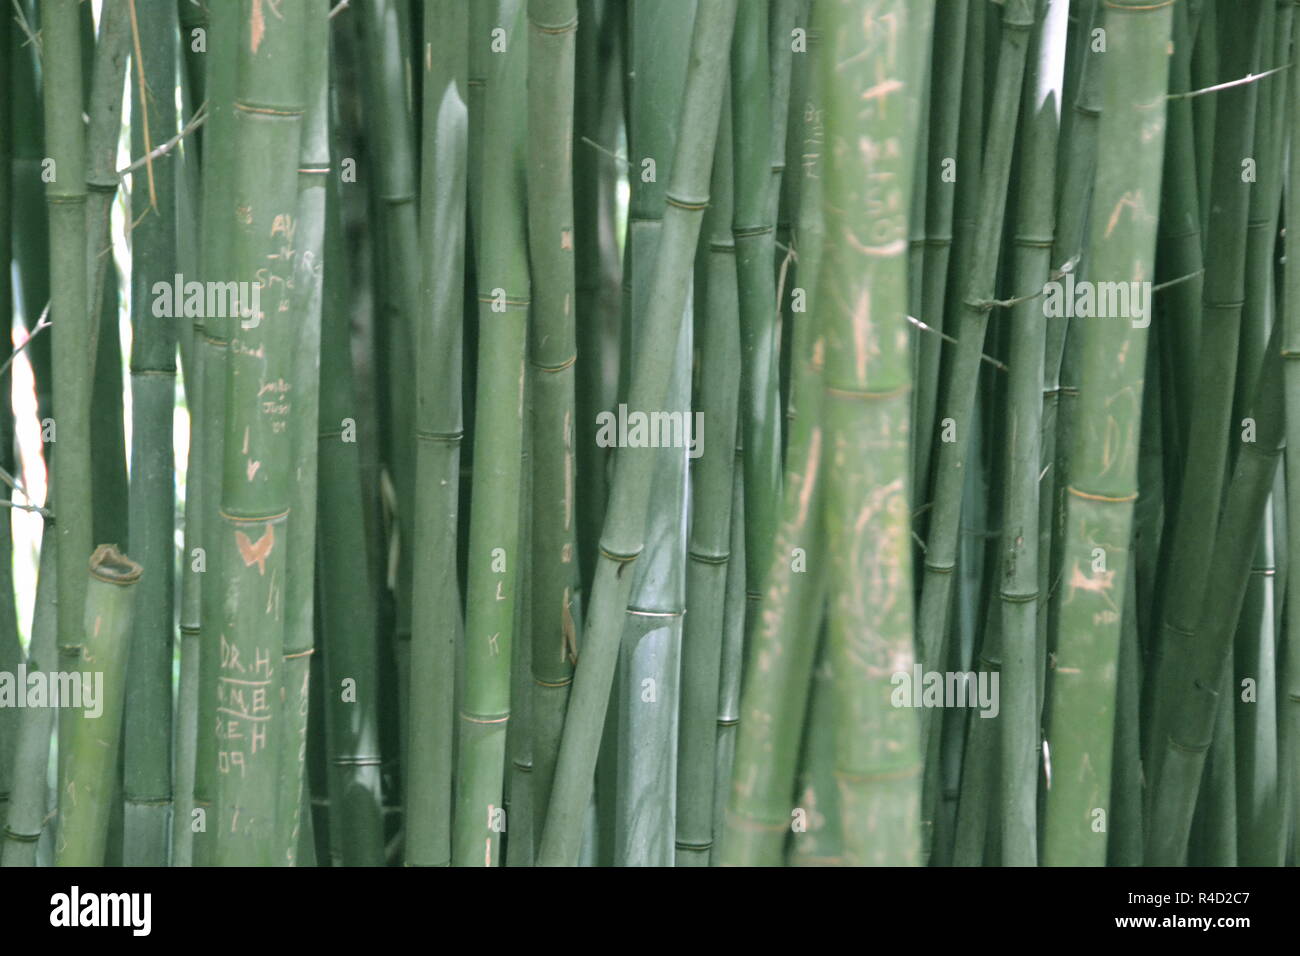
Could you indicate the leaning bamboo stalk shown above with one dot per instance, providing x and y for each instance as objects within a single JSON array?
[
  {"x": 88, "y": 764},
  {"x": 597, "y": 117},
  {"x": 104, "y": 109},
  {"x": 347, "y": 612},
  {"x": 11, "y": 652},
  {"x": 1206, "y": 467},
  {"x": 27, "y": 803},
  {"x": 774, "y": 701},
  {"x": 1031, "y": 266},
  {"x": 397, "y": 290},
  {"x": 645, "y": 718},
  {"x": 944, "y": 122},
  {"x": 1103, "y": 473},
  {"x": 553, "y": 353},
  {"x": 1199, "y": 684},
  {"x": 69, "y": 311},
  {"x": 753, "y": 227},
  {"x": 1290, "y": 322},
  {"x": 623, "y": 538},
  {"x": 148, "y": 729},
  {"x": 494, "y": 555},
  {"x": 260, "y": 414},
  {"x": 941, "y": 542},
  {"x": 867, "y": 415},
  {"x": 436, "y": 620},
  {"x": 305, "y": 303},
  {"x": 710, "y": 536},
  {"x": 1255, "y": 722},
  {"x": 733, "y": 658}
]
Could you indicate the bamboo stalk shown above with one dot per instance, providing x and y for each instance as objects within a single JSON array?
[
  {"x": 66, "y": 196},
  {"x": 148, "y": 729},
  {"x": 556, "y": 579},
  {"x": 494, "y": 554},
  {"x": 214, "y": 338},
  {"x": 753, "y": 228},
  {"x": 11, "y": 652},
  {"x": 709, "y": 556},
  {"x": 305, "y": 303},
  {"x": 259, "y": 427},
  {"x": 347, "y": 611},
  {"x": 1201, "y": 680},
  {"x": 622, "y": 538},
  {"x": 782, "y": 656},
  {"x": 941, "y": 195},
  {"x": 27, "y": 803},
  {"x": 1018, "y": 592},
  {"x": 436, "y": 622},
  {"x": 397, "y": 295},
  {"x": 868, "y": 521},
  {"x": 88, "y": 765},
  {"x": 1205, "y": 469},
  {"x": 941, "y": 543},
  {"x": 647, "y": 683},
  {"x": 1103, "y": 470},
  {"x": 1289, "y": 320}
]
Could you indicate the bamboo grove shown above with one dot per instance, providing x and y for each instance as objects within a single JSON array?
[{"x": 650, "y": 432}]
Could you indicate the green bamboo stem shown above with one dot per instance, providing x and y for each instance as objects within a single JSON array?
[
  {"x": 28, "y": 801},
  {"x": 1077, "y": 159},
  {"x": 1212, "y": 840},
  {"x": 1206, "y": 71},
  {"x": 259, "y": 428},
  {"x": 646, "y": 713},
  {"x": 1031, "y": 265},
  {"x": 623, "y": 537},
  {"x": 556, "y": 580},
  {"x": 598, "y": 281},
  {"x": 1124, "y": 848},
  {"x": 88, "y": 764},
  {"x": 436, "y": 621},
  {"x": 1257, "y": 816},
  {"x": 347, "y": 610},
  {"x": 397, "y": 291},
  {"x": 1206, "y": 467},
  {"x": 784, "y": 643},
  {"x": 868, "y": 380},
  {"x": 148, "y": 730},
  {"x": 192, "y": 16},
  {"x": 305, "y": 302},
  {"x": 11, "y": 652},
  {"x": 1289, "y": 320},
  {"x": 1180, "y": 239},
  {"x": 494, "y": 555},
  {"x": 941, "y": 194},
  {"x": 822, "y": 844},
  {"x": 213, "y": 334},
  {"x": 66, "y": 197},
  {"x": 709, "y": 555},
  {"x": 734, "y": 616},
  {"x": 1103, "y": 475},
  {"x": 753, "y": 228},
  {"x": 1200, "y": 682},
  {"x": 104, "y": 108},
  {"x": 31, "y": 234},
  {"x": 941, "y": 542}
]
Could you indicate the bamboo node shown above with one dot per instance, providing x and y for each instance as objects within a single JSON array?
[
  {"x": 620, "y": 558},
  {"x": 690, "y": 205},
  {"x": 1095, "y": 497},
  {"x": 554, "y": 29}
]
